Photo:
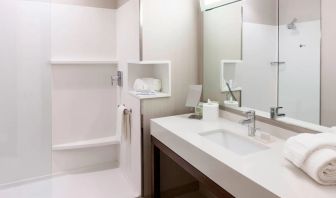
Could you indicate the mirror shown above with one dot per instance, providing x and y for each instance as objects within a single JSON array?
[
  {"x": 265, "y": 53},
  {"x": 242, "y": 63},
  {"x": 222, "y": 41},
  {"x": 299, "y": 59}
]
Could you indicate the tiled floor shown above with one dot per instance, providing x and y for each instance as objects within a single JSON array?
[{"x": 100, "y": 184}]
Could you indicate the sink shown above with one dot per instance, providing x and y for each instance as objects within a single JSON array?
[{"x": 235, "y": 143}]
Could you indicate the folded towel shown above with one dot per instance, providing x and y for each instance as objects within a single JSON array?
[
  {"x": 315, "y": 155},
  {"x": 300, "y": 147},
  {"x": 147, "y": 84},
  {"x": 321, "y": 166}
]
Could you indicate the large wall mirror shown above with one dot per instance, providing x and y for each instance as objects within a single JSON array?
[{"x": 264, "y": 53}]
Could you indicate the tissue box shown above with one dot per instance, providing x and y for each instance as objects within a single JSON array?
[{"x": 210, "y": 111}]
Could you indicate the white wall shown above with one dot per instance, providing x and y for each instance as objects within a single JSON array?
[
  {"x": 111, "y": 4},
  {"x": 303, "y": 10},
  {"x": 83, "y": 32},
  {"x": 25, "y": 102},
  {"x": 84, "y": 101},
  {"x": 256, "y": 75},
  {"x": 299, "y": 78},
  {"x": 261, "y": 11},
  {"x": 170, "y": 32},
  {"x": 128, "y": 50}
]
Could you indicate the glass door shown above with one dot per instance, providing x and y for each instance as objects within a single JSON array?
[{"x": 25, "y": 101}]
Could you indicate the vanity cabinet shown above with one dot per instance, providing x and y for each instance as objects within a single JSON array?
[{"x": 159, "y": 148}]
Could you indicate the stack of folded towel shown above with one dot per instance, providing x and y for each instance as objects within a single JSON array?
[
  {"x": 315, "y": 154},
  {"x": 147, "y": 84}
]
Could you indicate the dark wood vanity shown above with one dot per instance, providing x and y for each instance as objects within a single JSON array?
[{"x": 159, "y": 148}]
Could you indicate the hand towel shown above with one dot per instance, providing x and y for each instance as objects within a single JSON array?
[
  {"x": 127, "y": 126},
  {"x": 299, "y": 148},
  {"x": 321, "y": 166},
  {"x": 120, "y": 121}
]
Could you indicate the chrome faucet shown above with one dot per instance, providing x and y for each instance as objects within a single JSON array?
[
  {"x": 250, "y": 122},
  {"x": 274, "y": 113}
]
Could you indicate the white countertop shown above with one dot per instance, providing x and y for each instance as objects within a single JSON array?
[{"x": 261, "y": 174}]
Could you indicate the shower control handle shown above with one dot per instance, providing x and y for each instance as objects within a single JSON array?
[
  {"x": 118, "y": 78},
  {"x": 278, "y": 63}
]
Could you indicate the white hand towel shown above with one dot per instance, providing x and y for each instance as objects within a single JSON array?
[
  {"x": 299, "y": 148},
  {"x": 321, "y": 166},
  {"x": 127, "y": 126},
  {"x": 120, "y": 121}
]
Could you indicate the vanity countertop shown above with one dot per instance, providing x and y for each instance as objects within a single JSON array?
[{"x": 257, "y": 175}]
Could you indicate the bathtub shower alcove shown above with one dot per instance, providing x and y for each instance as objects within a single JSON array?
[{"x": 58, "y": 104}]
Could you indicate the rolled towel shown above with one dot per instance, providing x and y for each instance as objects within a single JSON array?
[
  {"x": 315, "y": 155},
  {"x": 299, "y": 148},
  {"x": 321, "y": 166}
]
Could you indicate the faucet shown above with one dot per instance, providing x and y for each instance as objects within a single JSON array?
[
  {"x": 274, "y": 113},
  {"x": 250, "y": 122}
]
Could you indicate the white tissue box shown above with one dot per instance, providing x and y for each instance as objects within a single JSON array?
[{"x": 210, "y": 111}]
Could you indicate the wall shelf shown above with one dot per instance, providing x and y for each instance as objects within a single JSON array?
[
  {"x": 83, "y": 62},
  {"x": 150, "y": 69},
  {"x": 99, "y": 142},
  {"x": 156, "y": 95},
  {"x": 228, "y": 72}
]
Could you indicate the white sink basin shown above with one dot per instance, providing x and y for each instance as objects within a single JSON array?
[{"x": 235, "y": 143}]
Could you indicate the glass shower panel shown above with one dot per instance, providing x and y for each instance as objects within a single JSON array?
[
  {"x": 25, "y": 87},
  {"x": 299, "y": 59}
]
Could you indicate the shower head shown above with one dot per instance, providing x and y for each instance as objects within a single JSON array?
[{"x": 291, "y": 25}]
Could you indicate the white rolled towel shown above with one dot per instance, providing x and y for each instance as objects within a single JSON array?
[
  {"x": 299, "y": 148},
  {"x": 315, "y": 154},
  {"x": 321, "y": 166}
]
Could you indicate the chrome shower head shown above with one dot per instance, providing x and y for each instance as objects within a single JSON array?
[{"x": 291, "y": 25}]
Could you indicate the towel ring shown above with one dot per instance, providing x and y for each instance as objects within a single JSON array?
[{"x": 126, "y": 111}]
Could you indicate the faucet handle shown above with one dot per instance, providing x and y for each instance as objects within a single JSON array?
[
  {"x": 250, "y": 112},
  {"x": 277, "y": 108},
  {"x": 275, "y": 112}
]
